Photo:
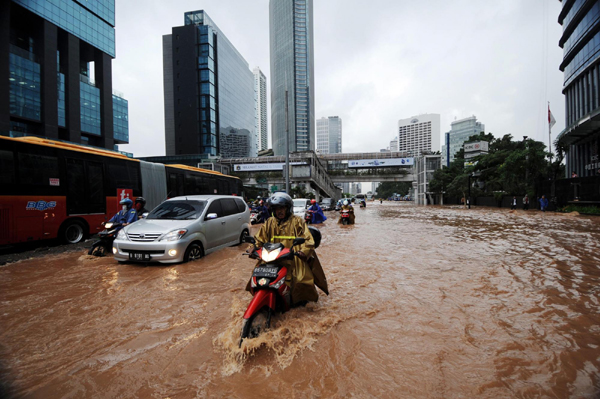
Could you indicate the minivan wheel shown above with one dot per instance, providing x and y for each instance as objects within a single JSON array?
[
  {"x": 193, "y": 252},
  {"x": 243, "y": 236}
]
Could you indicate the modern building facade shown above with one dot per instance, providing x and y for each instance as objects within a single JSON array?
[
  {"x": 419, "y": 134},
  {"x": 329, "y": 135},
  {"x": 425, "y": 166},
  {"x": 292, "y": 71},
  {"x": 459, "y": 133},
  {"x": 208, "y": 89},
  {"x": 580, "y": 41},
  {"x": 260, "y": 93},
  {"x": 56, "y": 73}
]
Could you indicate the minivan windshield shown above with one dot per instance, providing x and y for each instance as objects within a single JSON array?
[
  {"x": 299, "y": 203},
  {"x": 178, "y": 210}
]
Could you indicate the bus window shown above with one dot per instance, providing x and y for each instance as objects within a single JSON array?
[
  {"x": 7, "y": 167},
  {"x": 95, "y": 188},
  {"x": 76, "y": 198},
  {"x": 37, "y": 169},
  {"x": 223, "y": 187},
  {"x": 124, "y": 175}
]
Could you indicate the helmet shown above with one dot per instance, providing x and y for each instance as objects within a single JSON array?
[
  {"x": 281, "y": 199},
  {"x": 345, "y": 202},
  {"x": 316, "y": 235},
  {"x": 261, "y": 202},
  {"x": 126, "y": 201},
  {"x": 312, "y": 201},
  {"x": 141, "y": 200}
]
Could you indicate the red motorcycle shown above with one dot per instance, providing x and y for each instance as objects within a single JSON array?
[
  {"x": 308, "y": 216},
  {"x": 270, "y": 293},
  {"x": 345, "y": 216}
]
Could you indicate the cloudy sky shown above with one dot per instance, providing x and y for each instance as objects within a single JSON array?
[{"x": 375, "y": 62}]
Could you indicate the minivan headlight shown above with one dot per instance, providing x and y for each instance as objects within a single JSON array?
[
  {"x": 121, "y": 235},
  {"x": 173, "y": 235}
]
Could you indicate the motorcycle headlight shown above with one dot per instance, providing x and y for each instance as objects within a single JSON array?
[
  {"x": 121, "y": 235},
  {"x": 108, "y": 225},
  {"x": 270, "y": 256},
  {"x": 173, "y": 235}
]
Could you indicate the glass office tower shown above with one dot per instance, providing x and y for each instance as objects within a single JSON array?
[
  {"x": 292, "y": 70},
  {"x": 209, "y": 92},
  {"x": 56, "y": 75},
  {"x": 581, "y": 64},
  {"x": 329, "y": 135},
  {"x": 460, "y": 132}
]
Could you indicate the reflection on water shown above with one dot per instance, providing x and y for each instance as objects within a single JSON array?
[{"x": 425, "y": 302}]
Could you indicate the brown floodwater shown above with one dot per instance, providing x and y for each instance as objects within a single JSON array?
[{"x": 424, "y": 303}]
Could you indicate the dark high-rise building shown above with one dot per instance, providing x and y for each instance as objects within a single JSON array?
[
  {"x": 292, "y": 70},
  {"x": 55, "y": 72},
  {"x": 581, "y": 64},
  {"x": 209, "y": 92}
]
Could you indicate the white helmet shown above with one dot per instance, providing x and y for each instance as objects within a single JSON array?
[{"x": 345, "y": 202}]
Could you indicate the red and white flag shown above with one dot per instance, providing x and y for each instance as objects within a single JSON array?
[{"x": 551, "y": 120}]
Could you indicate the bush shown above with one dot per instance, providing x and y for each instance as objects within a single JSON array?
[{"x": 590, "y": 210}]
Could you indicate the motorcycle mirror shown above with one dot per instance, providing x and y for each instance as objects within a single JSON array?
[
  {"x": 250, "y": 240},
  {"x": 298, "y": 241}
]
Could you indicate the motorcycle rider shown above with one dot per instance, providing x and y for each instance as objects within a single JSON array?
[
  {"x": 317, "y": 215},
  {"x": 304, "y": 271},
  {"x": 263, "y": 211},
  {"x": 346, "y": 206},
  {"x": 126, "y": 215},
  {"x": 140, "y": 207}
]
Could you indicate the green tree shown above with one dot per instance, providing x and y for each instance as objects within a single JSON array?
[{"x": 387, "y": 189}]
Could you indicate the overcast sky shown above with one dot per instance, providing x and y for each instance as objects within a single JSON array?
[{"x": 375, "y": 62}]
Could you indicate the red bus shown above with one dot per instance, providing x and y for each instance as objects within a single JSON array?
[{"x": 51, "y": 189}]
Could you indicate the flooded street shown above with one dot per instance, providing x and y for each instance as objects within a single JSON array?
[{"x": 425, "y": 303}]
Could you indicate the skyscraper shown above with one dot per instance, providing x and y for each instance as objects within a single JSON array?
[
  {"x": 459, "y": 133},
  {"x": 209, "y": 91},
  {"x": 580, "y": 42},
  {"x": 260, "y": 92},
  {"x": 292, "y": 70},
  {"x": 419, "y": 134},
  {"x": 329, "y": 135},
  {"x": 56, "y": 74}
]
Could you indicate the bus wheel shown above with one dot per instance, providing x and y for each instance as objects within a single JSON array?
[{"x": 73, "y": 232}]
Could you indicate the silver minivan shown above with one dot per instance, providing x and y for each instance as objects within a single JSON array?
[{"x": 183, "y": 229}]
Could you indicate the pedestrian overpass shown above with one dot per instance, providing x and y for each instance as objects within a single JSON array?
[{"x": 321, "y": 172}]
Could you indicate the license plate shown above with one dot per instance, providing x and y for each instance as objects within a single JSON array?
[
  {"x": 265, "y": 271},
  {"x": 139, "y": 256}
]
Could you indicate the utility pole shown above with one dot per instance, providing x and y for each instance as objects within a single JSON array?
[
  {"x": 526, "y": 160},
  {"x": 469, "y": 196},
  {"x": 287, "y": 147}
]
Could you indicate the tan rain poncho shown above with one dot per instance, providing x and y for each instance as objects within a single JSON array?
[
  {"x": 302, "y": 276},
  {"x": 347, "y": 208}
]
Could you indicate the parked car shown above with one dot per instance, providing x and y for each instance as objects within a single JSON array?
[
  {"x": 300, "y": 206},
  {"x": 183, "y": 229},
  {"x": 327, "y": 204}
]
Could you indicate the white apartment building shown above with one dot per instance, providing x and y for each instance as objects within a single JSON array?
[
  {"x": 418, "y": 134},
  {"x": 260, "y": 94}
]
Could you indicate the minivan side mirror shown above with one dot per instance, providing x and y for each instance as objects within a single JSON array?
[
  {"x": 298, "y": 241},
  {"x": 211, "y": 216}
]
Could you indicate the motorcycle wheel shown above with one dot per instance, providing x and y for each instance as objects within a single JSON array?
[
  {"x": 344, "y": 221},
  {"x": 97, "y": 250},
  {"x": 257, "y": 324}
]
